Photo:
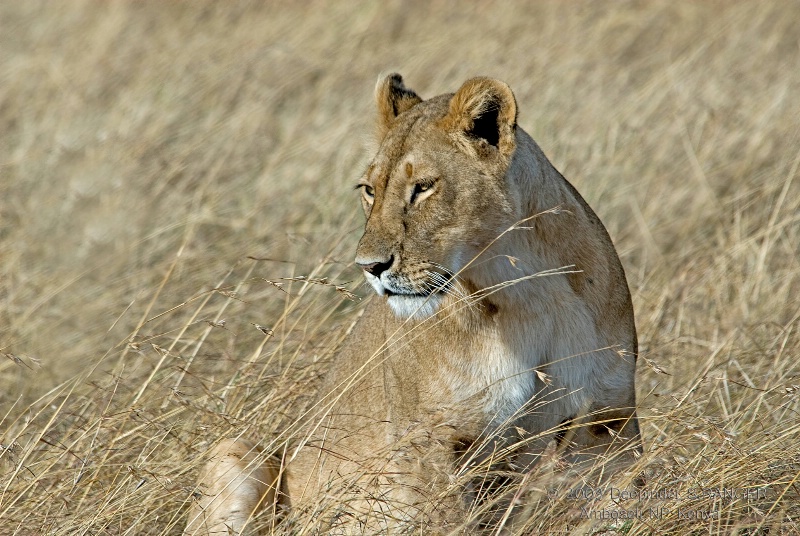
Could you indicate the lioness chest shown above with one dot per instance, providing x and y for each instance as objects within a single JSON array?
[{"x": 516, "y": 367}]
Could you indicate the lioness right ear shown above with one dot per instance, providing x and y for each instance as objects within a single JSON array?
[
  {"x": 393, "y": 99},
  {"x": 484, "y": 109}
]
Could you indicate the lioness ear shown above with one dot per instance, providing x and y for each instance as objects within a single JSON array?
[
  {"x": 485, "y": 109},
  {"x": 393, "y": 99}
]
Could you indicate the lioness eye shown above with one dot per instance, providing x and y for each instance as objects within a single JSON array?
[
  {"x": 369, "y": 191},
  {"x": 419, "y": 188}
]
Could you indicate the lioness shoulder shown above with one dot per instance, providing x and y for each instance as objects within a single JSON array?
[{"x": 503, "y": 322}]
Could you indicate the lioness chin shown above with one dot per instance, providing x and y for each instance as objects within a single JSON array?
[{"x": 503, "y": 325}]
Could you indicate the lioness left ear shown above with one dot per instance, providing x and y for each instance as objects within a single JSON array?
[
  {"x": 393, "y": 98},
  {"x": 485, "y": 109}
]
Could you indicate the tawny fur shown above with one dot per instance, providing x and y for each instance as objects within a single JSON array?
[
  {"x": 239, "y": 482},
  {"x": 472, "y": 344}
]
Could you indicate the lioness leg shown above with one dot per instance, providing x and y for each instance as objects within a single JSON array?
[{"x": 236, "y": 483}]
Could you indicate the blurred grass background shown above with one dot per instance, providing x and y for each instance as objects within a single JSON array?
[{"x": 151, "y": 152}]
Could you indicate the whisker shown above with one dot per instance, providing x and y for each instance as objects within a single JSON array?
[
  {"x": 435, "y": 285},
  {"x": 452, "y": 277},
  {"x": 442, "y": 284},
  {"x": 449, "y": 287},
  {"x": 445, "y": 270}
]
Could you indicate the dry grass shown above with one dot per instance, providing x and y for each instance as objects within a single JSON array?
[{"x": 149, "y": 149}]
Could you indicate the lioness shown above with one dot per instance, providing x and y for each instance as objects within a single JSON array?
[{"x": 503, "y": 324}]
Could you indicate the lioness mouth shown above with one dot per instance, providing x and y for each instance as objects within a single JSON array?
[
  {"x": 431, "y": 290},
  {"x": 390, "y": 293}
]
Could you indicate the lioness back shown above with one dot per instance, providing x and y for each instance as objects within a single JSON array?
[{"x": 503, "y": 321}]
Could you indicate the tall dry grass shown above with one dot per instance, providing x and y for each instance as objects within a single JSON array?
[{"x": 175, "y": 183}]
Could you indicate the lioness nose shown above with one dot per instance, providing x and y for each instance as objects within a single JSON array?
[{"x": 376, "y": 268}]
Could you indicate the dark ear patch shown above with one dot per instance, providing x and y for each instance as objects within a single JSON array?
[
  {"x": 484, "y": 109},
  {"x": 393, "y": 98},
  {"x": 485, "y": 125}
]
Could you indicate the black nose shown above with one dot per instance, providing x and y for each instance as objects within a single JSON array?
[{"x": 377, "y": 268}]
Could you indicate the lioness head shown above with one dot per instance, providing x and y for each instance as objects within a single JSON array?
[{"x": 436, "y": 193}]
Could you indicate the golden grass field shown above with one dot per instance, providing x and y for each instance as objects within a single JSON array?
[{"x": 166, "y": 166}]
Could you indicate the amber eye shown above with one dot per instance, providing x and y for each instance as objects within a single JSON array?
[
  {"x": 369, "y": 191},
  {"x": 419, "y": 188}
]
